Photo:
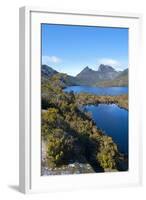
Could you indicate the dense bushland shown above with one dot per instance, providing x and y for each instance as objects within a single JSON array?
[{"x": 71, "y": 135}]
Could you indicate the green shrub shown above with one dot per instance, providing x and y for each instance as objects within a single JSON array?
[
  {"x": 60, "y": 147},
  {"x": 107, "y": 153}
]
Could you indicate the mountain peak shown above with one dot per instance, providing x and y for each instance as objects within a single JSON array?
[
  {"x": 87, "y": 69},
  {"x": 105, "y": 68},
  {"x": 47, "y": 71}
]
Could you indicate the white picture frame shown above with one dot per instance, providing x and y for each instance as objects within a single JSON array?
[{"x": 30, "y": 178}]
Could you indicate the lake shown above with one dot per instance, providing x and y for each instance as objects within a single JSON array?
[
  {"x": 113, "y": 121},
  {"x": 108, "y": 117},
  {"x": 98, "y": 90}
]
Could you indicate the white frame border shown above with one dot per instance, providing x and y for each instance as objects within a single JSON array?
[{"x": 25, "y": 91}]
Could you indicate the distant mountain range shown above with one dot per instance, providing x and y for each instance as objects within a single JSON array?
[
  {"x": 67, "y": 80},
  {"x": 120, "y": 80},
  {"x": 105, "y": 76},
  {"x": 47, "y": 72},
  {"x": 91, "y": 77}
]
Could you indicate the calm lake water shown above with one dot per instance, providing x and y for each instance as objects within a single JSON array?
[
  {"x": 113, "y": 121},
  {"x": 98, "y": 90},
  {"x": 109, "y": 117}
]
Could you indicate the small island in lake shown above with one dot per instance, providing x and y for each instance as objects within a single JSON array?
[{"x": 84, "y": 117}]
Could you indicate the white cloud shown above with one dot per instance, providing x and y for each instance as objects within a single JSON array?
[
  {"x": 109, "y": 61},
  {"x": 50, "y": 59}
]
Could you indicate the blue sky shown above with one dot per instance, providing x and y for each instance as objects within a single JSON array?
[{"x": 69, "y": 49}]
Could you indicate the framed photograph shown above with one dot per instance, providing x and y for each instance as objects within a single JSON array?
[{"x": 79, "y": 100}]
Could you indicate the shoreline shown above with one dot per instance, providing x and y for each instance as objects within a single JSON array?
[
  {"x": 69, "y": 102},
  {"x": 87, "y": 99}
]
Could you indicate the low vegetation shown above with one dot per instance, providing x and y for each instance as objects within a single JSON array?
[
  {"x": 84, "y": 99},
  {"x": 70, "y": 134}
]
